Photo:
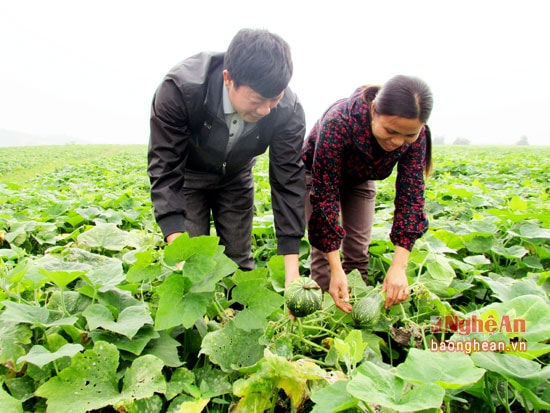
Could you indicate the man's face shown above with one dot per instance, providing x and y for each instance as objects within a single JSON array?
[{"x": 248, "y": 103}]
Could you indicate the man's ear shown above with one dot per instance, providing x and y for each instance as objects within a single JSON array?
[{"x": 227, "y": 78}]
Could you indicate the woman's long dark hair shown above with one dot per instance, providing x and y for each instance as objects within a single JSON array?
[{"x": 406, "y": 97}]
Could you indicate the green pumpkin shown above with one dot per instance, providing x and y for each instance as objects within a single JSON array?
[
  {"x": 303, "y": 296},
  {"x": 366, "y": 312}
]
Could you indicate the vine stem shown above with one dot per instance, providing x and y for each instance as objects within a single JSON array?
[{"x": 219, "y": 308}]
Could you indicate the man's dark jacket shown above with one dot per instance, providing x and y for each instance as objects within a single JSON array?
[{"x": 188, "y": 130}]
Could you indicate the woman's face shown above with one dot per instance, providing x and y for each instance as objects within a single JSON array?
[{"x": 392, "y": 132}]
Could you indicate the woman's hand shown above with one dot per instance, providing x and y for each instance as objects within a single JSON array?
[
  {"x": 395, "y": 283},
  {"x": 396, "y": 287},
  {"x": 338, "y": 289}
]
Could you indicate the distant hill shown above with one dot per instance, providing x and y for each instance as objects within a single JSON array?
[{"x": 13, "y": 138}]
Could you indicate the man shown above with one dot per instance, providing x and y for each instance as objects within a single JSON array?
[{"x": 211, "y": 116}]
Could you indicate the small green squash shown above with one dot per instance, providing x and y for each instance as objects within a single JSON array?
[
  {"x": 303, "y": 296},
  {"x": 366, "y": 312}
]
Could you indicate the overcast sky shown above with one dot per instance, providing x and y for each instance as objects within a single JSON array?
[{"x": 89, "y": 69}]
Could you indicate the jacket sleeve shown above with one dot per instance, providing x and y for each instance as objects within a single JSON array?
[
  {"x": 287, "y": 180},
  {"x": 324, "y": 230},
  {"x": 410, "y": 221},
  {"x": 169, "y": 137}
]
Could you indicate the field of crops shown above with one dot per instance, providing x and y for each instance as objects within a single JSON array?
[{"x": 95, "y": 316}]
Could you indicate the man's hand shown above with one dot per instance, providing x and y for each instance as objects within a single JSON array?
[
  {"x": 172, "y": 237},
  {"x": 169, "y": 240}
]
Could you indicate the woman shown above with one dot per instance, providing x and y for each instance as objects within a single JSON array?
[{"x": 357, "y": 141}]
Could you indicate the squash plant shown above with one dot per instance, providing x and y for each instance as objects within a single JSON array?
[{"x": 95, "y": 315}]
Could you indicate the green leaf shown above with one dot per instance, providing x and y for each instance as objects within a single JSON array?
[
  {"x": 333, "y": 398},
  {"x": 507, "y": 288},
  {"x": 232, "y": 348},
  {"x": 144, "y": 269},
  {"x": 153, "y": 404},
  {"x": 107, "y": 236},
  {"x": 351, "y": 349},
  {"x": 91, "y": 381},
  {"x": 40, "y": 356},
  {"x": 9, "y": 404},
  {"x": 197, "y": 266},
  {"x": 373, "y": 384},
  {"x": 62, "y": 273},
  {"x": 106, "y": 276},
  {"x": 261, "y": 302},
  {"x": 517, "y": 204},
  {"x": 176, "y": 308},
  {"x": 276, "y": 267},
  {"x": 13, "y": 341},
  {"x": 144, "y": 378},
  {"x": 38, "y": 316},
  {"x": 530, "y": 311},
  {"x": 165, "y": 348},
  {"x": 521, "y": 372},
  {"x": 182, "y": 380},
  {"x": 129, "y": 321},
  {"x": 448, "y": 370},
  {"x": 184, "y": 247},
  {"x": 135, "y": 345},
  {"x": 515, "y": 251},
  {"x": 479, "y": 244}
]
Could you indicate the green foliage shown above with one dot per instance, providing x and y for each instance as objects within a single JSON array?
[{"x": 98, "y": 314}]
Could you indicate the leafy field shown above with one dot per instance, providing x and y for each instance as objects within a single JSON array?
[{"x": 94, "y": 315}]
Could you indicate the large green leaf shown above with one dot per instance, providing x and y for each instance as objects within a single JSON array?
[
  {"x": 107, "y": 236},
  {"x": 531, "y": 311},
  {"x": 9, "y": 403},
  {"x": 184, "y": 247},
  {"x": 165, "y": 348},
  {"x": 260, "y": 302},
  {"x": 128, "y": 322},
  {"x": 527, "y": 373},
  {"x": 232, "y": 348},
  {"x": 524, "y": 375},
  {"x": 333, "y": 398},
  {"x": 448, "y": 370},
  {"x": 40, "y": 356},
  {"x": 13, "y": 341},
  {"x": 373, "y": 384},
  {"x": 135, "y": 345},
  {"x": 178, "y": 308},
  {"x": 91, "y": 381},
  {"x": 62, "y": 273},
  {"x": 507, "y": 288},
  {"x": 38, "y": 316}
]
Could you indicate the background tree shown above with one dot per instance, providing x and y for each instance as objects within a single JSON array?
[
  {"x": 461, "y": 141},
  {"x": 523, "y": 140}
]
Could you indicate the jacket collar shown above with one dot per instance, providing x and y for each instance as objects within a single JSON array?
[{"x": 213, "y": 101}]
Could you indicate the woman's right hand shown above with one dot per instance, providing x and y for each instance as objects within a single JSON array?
[{"x": 338, "y": 290}]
